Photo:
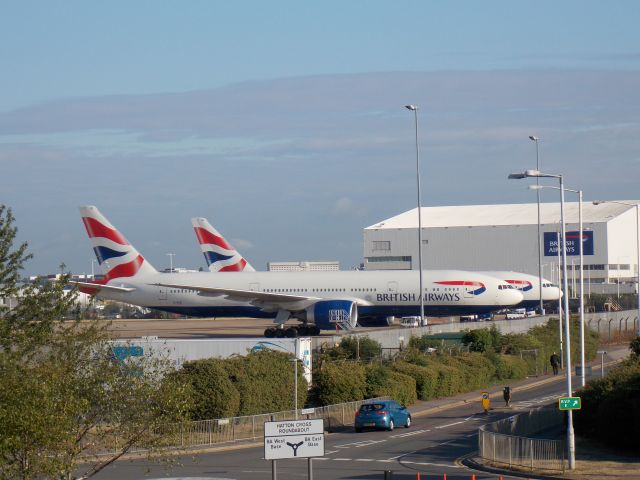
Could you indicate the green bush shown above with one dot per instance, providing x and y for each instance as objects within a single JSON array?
[
  {"x": 360, "y": 347},
  {"x": 482, "y": 339},
  {"x": 476, "y": 369},
  {"x": 213, "y": 394},
  {"x": 426, "y": 379},
  {"x": 338, "y": 383},
  {"x": 508, "y": 367},
  {"x": 265, "y": 381},
  {"x": 382, "y": 381},
  {"x": 611, "y": 407}
]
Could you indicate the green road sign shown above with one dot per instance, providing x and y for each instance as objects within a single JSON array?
[{"x": 569, "y": 403}]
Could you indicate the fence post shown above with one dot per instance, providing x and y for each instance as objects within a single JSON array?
[
  {"x": 253, "y": 427},
  {"x": 493, "y": 435},
  {"x": 210, "y": 422},
  {"x": 343, "y": 414},
  {"x": 531, "y": 452},
  {"x": 182, "y": 435},
  {"x": 510, "y": 447},
  {"x": 233, "y": 430}
]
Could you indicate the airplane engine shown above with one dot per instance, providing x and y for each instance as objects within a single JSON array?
[{"x": 327, "y": 313}]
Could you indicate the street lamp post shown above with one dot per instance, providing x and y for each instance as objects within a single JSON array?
[
  {"x": 570, "y": 434},
  {"x": 536, "y": 140},
  {"x": 583, "y": 378},
  {"x": 414, "y": 109},
  {"x": 171, "y": 255},
  {"x": 637, "y": 206}
]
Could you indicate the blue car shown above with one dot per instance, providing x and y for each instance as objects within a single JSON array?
[{"x": 386, "y": 414}]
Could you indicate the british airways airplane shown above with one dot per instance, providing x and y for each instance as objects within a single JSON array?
[
  {"x": 220, "y": 257},
  {"x": 529, "y": 286},
  {"x": 317, "y": 300}
]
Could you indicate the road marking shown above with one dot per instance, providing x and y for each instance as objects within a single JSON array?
[
  {"x": 409, "y": 434},
  {"x": 323, "y": 458},
  {"x": 342, "y": 459},
  {"x": 365, "y": 460},
  {"x": 363, "y": 443},
  {"x": 450, "y": 424}
]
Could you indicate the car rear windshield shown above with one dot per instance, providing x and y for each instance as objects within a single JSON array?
[{"x": 371, "y": 407}]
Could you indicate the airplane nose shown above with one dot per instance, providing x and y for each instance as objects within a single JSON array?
[
  {"x": 514, "y": 297},
  {"x": 551, "y": 293}
]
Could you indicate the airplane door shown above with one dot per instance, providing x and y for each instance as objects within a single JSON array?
[
  {"x": 162, "y": 294},
  {"x": 392, "y": 287},
  {"x": 254, "y": 287},
  {"x": 468, "y": 289}
]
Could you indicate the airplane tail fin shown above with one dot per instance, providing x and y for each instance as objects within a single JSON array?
[
  {"x": 117, "y": 257},
  {"x": 219, "y": 254}
]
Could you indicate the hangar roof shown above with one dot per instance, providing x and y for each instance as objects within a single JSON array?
[{"x": 502, "y": 215}]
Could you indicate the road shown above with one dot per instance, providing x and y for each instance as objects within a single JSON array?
[{"x": 431, "y": 446}]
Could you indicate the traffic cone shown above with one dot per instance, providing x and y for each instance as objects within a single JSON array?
[
  {"x": 417, "y": 475},
  {"x": 473, "y": 476},
  {"x": 444, "y": 477}
]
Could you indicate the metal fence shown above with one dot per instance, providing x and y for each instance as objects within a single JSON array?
[
  {"x": 510, "y": 441},
  {"x": 235, "y": 429}
]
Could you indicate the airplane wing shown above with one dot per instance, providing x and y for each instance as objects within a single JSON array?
[
  {"x": 97, "y": 287},
  {"x": 260, "y": 299},
  {"x": 265, "y": 300}
]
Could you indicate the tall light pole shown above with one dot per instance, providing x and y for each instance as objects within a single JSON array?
[
  {"x": 536, "y": 139},
  {"x": 414, "y": 109},
  {"x": 583, "y": 378},
  {"x": 571, "y": 443},
  {"x": 598, "y": 202},
  {"x": 171, "y": 255}
]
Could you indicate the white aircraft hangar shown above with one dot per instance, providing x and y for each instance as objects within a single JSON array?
[{"x": 504, "y": 237}]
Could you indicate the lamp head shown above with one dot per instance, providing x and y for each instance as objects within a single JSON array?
[
  {"x": 411, "y": 107},
  {"x": 517, "y": 176},
  {"x": 532, "y": 138},
  {"x": 532, "y": 173},
  {"x": 536, "y": 187},
  {"x": 598, "y": 202}
]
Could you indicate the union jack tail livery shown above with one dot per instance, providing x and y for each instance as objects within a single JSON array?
[
  {"x": 219, "y": 254},
  {"x": 117, "y": 257}
]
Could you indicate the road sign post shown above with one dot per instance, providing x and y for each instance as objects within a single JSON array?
[{"x": 569, "y": 403}]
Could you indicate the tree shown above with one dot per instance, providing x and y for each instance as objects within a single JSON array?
[{"x": 64, "y": 397}]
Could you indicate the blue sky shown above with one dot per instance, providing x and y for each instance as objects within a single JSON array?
[{"x": 282, "y": 122}]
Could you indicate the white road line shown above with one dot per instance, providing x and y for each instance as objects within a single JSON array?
[
  {"x": 363, "y": 443},
  {"x": 322, "y": 458},
  {"x": 450, "y": 425},
  {"x": 342, "y": 459},
  {"x": 409, "y": 434},
  {"x": 365, "y": 460}
]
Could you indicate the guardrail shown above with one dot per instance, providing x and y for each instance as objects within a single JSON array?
[
  {"x": 509, "y": 441},
  {"x": 205, "y": 433}
]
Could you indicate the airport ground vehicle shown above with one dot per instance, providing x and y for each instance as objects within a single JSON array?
[
  {"x": 410, "y": 322},
  {"x": 385, "y": 414}
]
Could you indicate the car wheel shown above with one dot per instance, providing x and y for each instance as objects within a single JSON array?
[
  {"x": 391, "y": 426},
  {"x": 408, "y": 424}
]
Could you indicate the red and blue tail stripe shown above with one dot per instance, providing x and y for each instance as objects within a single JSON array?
[
  {"x": 117, "y": 257},
  {"x": 218, "y": 253}
]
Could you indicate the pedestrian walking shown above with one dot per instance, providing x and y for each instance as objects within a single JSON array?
[
  {"x": 555, "y": 362},
  {"x": 506, "y": 394}
]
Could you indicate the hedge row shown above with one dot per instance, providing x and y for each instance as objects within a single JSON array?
[
  {"x": 418, "y": 376},
  {"x": 261, "y": 382}
]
